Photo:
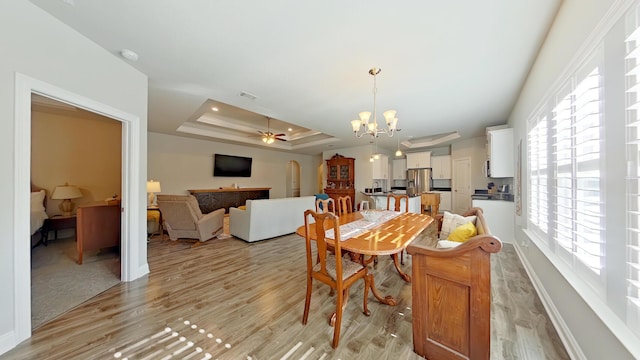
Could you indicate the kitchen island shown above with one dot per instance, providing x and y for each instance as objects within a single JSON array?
[{"x": 379, "y": 201}]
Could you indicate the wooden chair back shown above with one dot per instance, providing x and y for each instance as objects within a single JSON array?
[
  {"x": 325, "y": 206},
  {"x": 345, "y": 205},
  {"x": 330, "y": 268},
  {"x": 398, "y": 199}
]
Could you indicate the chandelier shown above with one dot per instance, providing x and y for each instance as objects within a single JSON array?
[{"x": 363, "y": 126}]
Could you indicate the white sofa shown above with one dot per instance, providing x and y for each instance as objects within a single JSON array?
[{"x": 267, "y": 218}]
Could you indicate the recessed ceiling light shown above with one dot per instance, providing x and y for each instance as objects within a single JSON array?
[
  {"x": 129, "y": 54},
  {"x": 214, "y": 109},
  {"x": 289, "y": 129}
]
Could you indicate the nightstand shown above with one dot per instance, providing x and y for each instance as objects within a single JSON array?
[
  {"x": 55, "y": 223},
  {"x": 159, "y": 229}
]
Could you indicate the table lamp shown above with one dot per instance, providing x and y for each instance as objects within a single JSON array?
[
  {"x": 152, "y": 188},
  {"x": 66, "y": 193}
]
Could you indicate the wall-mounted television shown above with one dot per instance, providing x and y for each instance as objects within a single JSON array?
[{"x": 231, "y": 166}]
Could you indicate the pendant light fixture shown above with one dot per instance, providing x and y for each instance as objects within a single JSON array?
[{"x": 363, "y": 126}]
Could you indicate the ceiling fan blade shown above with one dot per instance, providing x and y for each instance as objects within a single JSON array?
[
  {"x": 279, "y": 134},
  {"x": 281, "y": 139}
]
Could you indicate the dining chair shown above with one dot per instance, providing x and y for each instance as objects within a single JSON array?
[
  {"x": 331, "y": 268},
  {"x": 345, "y": 206},
  {"x": 326, "y": 206},
  {"x": 398, "y": 200}
]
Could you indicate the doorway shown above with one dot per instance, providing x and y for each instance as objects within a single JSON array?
[
  {"x": 461, "y": 184},
  {"x": 81, "y": 148},
  {"x": 133, "y": 250},
  {"x": 293, "y": 179}
]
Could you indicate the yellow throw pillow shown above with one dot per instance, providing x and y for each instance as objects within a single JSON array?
[{"x": 463, "y": 232}]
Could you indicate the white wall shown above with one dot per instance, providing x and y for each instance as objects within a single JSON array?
[
  {"x": 182, "y": 164},
  {"x": 587, "y": 333},
  {"x": 37, "y": 45}
]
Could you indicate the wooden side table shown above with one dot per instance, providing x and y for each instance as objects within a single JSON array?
[{"x": 55, "y": 223}]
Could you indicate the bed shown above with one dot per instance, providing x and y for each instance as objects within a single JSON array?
[{"x": 38, "y": 214}]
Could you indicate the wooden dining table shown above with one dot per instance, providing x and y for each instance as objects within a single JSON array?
[{"x": 387, "y": 238}]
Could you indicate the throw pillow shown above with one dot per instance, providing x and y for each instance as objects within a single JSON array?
[
  {"x": 321, "y": 197},
  {"x": 447, "y": 244},
  {"x": 452, "y": 221},
  {"x": 37, "y": 200},
  {"x": 463, "y": 233}
]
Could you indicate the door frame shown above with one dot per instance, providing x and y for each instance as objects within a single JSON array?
[{"x": 133, "y": 262}]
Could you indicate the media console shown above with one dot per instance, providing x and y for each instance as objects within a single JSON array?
[{"x": 214, "y": 199}]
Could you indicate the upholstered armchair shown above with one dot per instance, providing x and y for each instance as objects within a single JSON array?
[{"x": 183, "y": 219}]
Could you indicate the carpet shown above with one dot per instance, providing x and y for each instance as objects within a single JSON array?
[{"x": 58, "y": 283}]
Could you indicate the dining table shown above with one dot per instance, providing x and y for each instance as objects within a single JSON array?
[{"x": 390, "y": 234}]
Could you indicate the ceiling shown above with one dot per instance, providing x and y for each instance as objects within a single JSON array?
[{"x": 449, "y": 68}]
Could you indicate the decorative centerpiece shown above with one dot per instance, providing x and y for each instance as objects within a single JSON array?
[{"x": 371, "y": 215}]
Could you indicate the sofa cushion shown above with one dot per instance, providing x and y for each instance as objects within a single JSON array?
[
  {"x": 452, "y": 221},
  {"x": 463, "y": 232}
]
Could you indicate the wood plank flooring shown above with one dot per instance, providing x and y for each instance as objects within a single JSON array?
[{"x": 228, "y": 299}]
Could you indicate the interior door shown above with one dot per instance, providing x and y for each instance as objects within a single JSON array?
[{"x": 461, "y": 184}]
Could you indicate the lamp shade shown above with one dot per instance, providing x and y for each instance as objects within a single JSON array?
[
  {"x": 153, "y": 186},
  {"x": 66, "y": 192}
]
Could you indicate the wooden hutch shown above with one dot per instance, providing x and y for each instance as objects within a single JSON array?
[{"x": 340, "y": 177}]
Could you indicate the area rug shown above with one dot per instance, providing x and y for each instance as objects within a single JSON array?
[{"x": 58, "y": 283}]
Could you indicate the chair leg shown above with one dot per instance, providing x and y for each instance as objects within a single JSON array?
[
  {"x": 307, "y": 301},
  {"x": 338, "y": 321},
  {"x": 402, "y": 257},
  {"x": 367, "y": 285}
]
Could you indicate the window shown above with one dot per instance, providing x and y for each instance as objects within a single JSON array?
[
  {"x": 583, "y": 174},
  {"x": 565, "y": 200},
  {"x": 632, "y": 66}
]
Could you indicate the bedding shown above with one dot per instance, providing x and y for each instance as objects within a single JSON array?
[{"x": 38, "y": 215}]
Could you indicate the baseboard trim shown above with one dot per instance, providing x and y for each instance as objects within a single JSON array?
[{"x": 7, "y": 341}]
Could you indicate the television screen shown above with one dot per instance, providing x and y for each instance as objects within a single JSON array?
[{"x": 231, "y": 166}]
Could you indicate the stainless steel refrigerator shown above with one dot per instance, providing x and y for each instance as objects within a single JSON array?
[{"x": 418, "y": 181}]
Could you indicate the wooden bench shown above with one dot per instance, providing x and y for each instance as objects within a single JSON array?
[{"x": 451, "y": 295}]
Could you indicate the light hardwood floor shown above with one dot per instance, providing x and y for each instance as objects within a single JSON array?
[{"x": 228, "y": 299}]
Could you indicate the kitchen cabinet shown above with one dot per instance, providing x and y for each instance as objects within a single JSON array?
[
  {"x": 400, "y": 169},
  {"x": 441, "y": 167},
  {"x": 500, "y": 151},
  {"x": 419, "y": 160},
  {"x": 445, "y": 200},
  {"x": 381, "y": 168},
  {"x": 499, "y": 216}
]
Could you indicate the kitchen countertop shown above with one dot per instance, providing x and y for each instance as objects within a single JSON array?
[
  {"x": 381, "y": 193},
  {"x": 498, "y": 196}
]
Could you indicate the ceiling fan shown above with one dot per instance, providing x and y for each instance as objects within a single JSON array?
[{"x": 268, "y": 137}]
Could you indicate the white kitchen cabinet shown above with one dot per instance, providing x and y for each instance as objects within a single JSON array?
[
  {"x": 445, "y": 200},
  {"x": 500, "y": 146},
  {"x": 381, "y": 168},
  {"x": 419, "y": 160},
  {"x": 441, "y": 166},
  {"x": 500, "y": 217},
  {"x": 399, "y": 169}
]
